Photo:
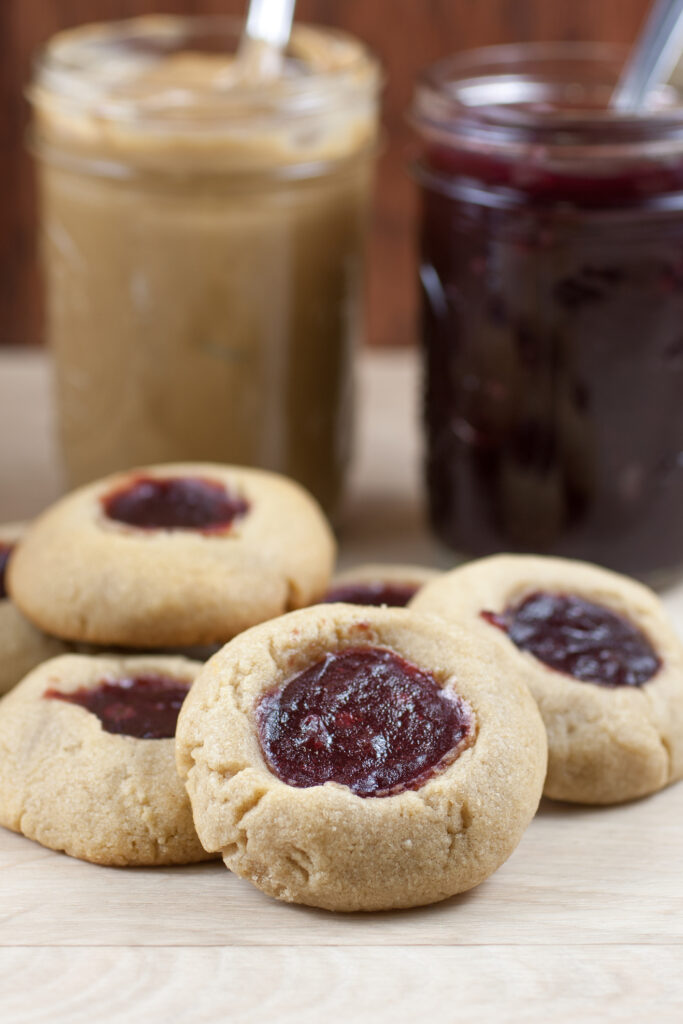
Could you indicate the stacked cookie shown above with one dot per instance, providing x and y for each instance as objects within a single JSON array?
[
  {"x": 600, "y": 657},
  {"x": 379, "y": 583},
  {"x": 172, "y": 556},
  {"x": 87, "y": 759},
  {"x": 343, "y": 754},
  {"x": 169, "y": 557},
  {"x": 22, "y": 645},
  {"x": 360, "y": 758}
]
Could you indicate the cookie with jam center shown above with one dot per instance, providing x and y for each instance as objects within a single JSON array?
[
  {"x": 87, "y": 760},
  {"x": 378, "y": 583},
  {"x": 22, "y": 646},
  {"x": 178, "y": 555},
  {"x": 601, "y": 659},
  {"x": 359, "y": 758}
]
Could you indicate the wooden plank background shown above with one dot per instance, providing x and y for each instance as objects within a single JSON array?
[{"x": 407, "y": 35}]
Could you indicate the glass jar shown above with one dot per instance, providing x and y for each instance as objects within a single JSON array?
[
  {"x": 203, "y": 234},
  {"x": 552, "y": 309}
]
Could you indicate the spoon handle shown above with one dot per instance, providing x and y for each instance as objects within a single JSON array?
[
  {"x": 654, "y": 55},
  {"x": 270, "y": 21}
]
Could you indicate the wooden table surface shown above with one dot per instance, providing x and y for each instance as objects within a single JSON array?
[{"x": 584, "y": 922}]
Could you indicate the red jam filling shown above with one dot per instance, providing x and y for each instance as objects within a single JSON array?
[
  {"x": 144, "y": 706},
  {"x": 581, "y": 639},
  {"x": 364, "y": 718},
  {"x": 375, "y": 593},
  {"x": 174, "y": 503},
  {"x": 5, "y": 552}
]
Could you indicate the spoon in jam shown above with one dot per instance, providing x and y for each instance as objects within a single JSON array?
[
  {"x": 653, "y": 57},
  {"x": 266, "y": 34}
]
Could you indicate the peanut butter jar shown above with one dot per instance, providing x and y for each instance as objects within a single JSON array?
[{"x": 202, "y": 235}]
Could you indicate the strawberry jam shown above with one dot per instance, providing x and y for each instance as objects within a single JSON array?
[
  {"x": 174, "y": 503},
  {"x": 364, "y": 718},
  {"x": 5, "y": 552},
  {"x": 579, "y": 638},
  {"x": 373, "y": 592},
  {"x": 144, "y": 706}
]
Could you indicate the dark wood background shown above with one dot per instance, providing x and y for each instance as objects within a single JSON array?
[{"x": 407, "y": 35}]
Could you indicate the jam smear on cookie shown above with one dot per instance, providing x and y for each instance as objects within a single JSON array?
[
  {"x": 5, "y": 552},
  {"x": 364, "y": 718},
  {"x": 376, "y": 593},
  {"x": 579, "y": 638},
  {"x": 174, "y": 503},
  {"x": 144, "y": 706}
]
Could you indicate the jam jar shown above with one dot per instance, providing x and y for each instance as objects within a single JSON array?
[{"x": 552, "y": 308}]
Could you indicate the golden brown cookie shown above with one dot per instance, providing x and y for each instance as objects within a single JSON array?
[
  {"x": 87, "y": 762},
  {"x": 22, "y": 646},
  {"x": 601, "y": 659},
  {"x": 378, "y": 583},
  {"x": 172, "y": 556},
  {"x": 360, "y": 758}
]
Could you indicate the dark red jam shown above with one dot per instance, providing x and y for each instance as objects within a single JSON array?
[
  {"x": 580, "y": 638},
  {"x": 552, "y": 313},
  {"x": 375, "y": 592},
  {"x": 5, "y": 552},
  {"x": 145, "y": 706},
  {"x": 364, "y": 718},
  {"x": 175, "y": 503}
]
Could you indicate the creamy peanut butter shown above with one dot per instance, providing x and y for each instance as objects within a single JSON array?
[{"x": 203, "y": 236}]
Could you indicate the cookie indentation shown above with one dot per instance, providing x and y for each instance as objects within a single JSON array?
[
  {"x": 582, "y": 639},
  {"x": 5, "y": 552},
  {"x": 365, "y": 718},
  {"x": 174, "y": 503},
  {"x": 376, "y": 593},
  {"x": 144, "y": 706}
]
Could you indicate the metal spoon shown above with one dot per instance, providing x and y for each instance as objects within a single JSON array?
[
  {"x": 653, "y": 57},
  {"x": 266, "y": 34}
]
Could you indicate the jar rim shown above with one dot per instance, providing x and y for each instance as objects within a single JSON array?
[
  {"x": 552, "y": 93},
  {"x": 78, "y": 68}
]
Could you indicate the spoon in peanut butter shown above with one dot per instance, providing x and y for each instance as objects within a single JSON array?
[{"x": 266, "y": 34}]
